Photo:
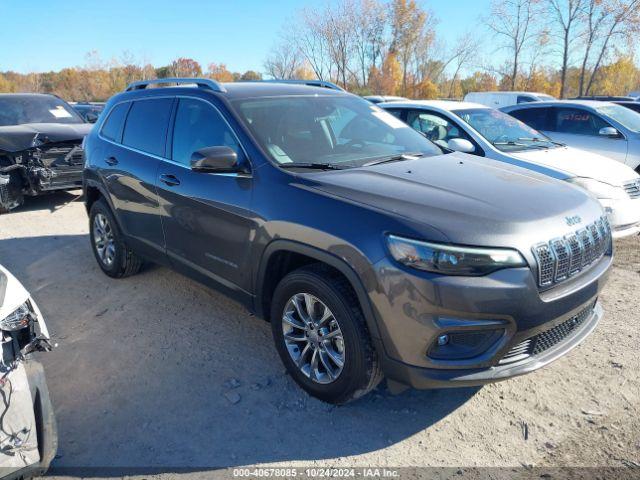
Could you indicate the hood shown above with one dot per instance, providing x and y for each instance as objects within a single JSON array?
[
  {"x": 471, "y": 200},
  {"x": 580, "y": 163},
  {"x": 15, "y": 138}
]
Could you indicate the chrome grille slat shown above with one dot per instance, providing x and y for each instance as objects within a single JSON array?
[
  {"x": 632, "y": 188},
  {"x": 562, "y": 258},
  {"x": 575, "y": 265}
]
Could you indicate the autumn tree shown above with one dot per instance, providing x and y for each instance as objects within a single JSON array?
[
  {"x": 617, "y": 20},
  {"x": 369, "y": 36},
  {"x": 185, "y": 67},
  {"x": 565, "y": 16},
  {"x": 283, "y": 60},
  {"x": 250, "y": 75},
  {"x": 388, "y": 79},
  {"x": 512, "y": 22},
  {"x": 219, "y": 72},
  {"x": 408, "y": 25}
]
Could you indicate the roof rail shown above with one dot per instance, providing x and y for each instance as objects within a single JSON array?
[
  {"x": 310, "y": 83},
  {"x": 206, "y": 83}
]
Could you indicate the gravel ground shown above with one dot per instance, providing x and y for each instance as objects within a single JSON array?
[{"x": 158, "y": 371}]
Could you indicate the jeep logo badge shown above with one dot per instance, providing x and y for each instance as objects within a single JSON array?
[{"x": 571, "y": 221}]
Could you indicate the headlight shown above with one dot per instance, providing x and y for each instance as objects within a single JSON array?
[
  {"x": 450, "y": 259},
  {"x": 599, "y": 189},
  {"x": 18, "y": 319}
]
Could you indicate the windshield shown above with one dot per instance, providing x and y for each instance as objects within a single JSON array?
[
  {"x": 544, "y": 96},
  {"x": 21, "y": 109},
  {"x": 624, "y": 116},
  {"x": 503, "y": 131},
  {"x": 342, "y": 131}
]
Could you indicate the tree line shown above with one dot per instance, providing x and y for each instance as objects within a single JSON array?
[{"x": 393, "y": 47}]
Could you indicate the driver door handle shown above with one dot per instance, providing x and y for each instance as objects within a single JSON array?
[
  {"x": 170, "y": 180},
  {"x": 112, "y": 161}
]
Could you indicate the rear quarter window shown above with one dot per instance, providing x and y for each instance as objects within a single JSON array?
[
  {"x": 147, "y": 124},
  {"x": 112, "y": 128}
]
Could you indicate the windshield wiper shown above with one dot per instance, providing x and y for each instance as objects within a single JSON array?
[
  {"x": 395, "y": 158},
  {"x": 313, "y": 166},
  {"x": 545, "y": 140},
  {"x": 511, "y": 143}
]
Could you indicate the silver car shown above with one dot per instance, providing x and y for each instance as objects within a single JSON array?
[{"x": 601, "y": 127}]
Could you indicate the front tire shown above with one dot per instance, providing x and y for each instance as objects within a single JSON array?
[
  {"x": 322, "y": 337},
  {"x": 113, "y": 255}
]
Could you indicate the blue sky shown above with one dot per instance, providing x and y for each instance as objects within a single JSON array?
[{"x": 42, "y": 35}]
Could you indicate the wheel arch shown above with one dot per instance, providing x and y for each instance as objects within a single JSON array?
[
  {"x": 270, "y": 273},
  {"x": 94, "y": 191}
]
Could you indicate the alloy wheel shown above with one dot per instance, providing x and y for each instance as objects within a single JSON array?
[
  {"x": 313, "y": 338},
  {"x": 104, "y": 240}
]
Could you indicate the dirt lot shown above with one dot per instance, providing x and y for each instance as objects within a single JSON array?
[{"x": 158, "y": 371}]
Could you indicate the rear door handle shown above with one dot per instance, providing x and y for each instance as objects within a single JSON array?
[
  {"x": 111, "y": 161},
  {"x": 170, "y": 180}
]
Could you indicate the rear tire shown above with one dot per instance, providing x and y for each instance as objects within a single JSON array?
[
  {"x": 113, "y": 255},
  {"x": 342, "y": 338}
]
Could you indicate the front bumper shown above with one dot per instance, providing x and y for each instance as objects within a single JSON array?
[
  {"x": 423, "y": 378},
  {"x": 624, "y": 216},
  {"x": 37, "y": 407},
  {"x": 415, "y": 308}
]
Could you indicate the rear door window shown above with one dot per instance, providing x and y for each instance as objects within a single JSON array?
[
  {"x": 146, "y": 126},
  {"x": 537, "y": 118},
  {"x": 577, "y": 121},
  {"x": 112, "y": 128},
  {"x": 199, "y": 125}
]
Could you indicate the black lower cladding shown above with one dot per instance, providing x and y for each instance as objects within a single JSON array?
[{"x": 543, "y": 341}]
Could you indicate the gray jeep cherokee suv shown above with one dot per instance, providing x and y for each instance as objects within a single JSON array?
[{"x": 368, "y": 248}]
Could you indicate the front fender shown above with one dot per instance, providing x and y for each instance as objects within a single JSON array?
[{"x": 344, "y": 258}]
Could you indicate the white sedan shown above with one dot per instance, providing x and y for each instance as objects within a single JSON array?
[
  {"x": 483, "y": 131},
  {"x": 28, "y": 439}
]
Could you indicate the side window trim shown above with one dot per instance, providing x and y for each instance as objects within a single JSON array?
[
  {"x": 172, "y": 122},
  {"x": 106, "y": 120}
]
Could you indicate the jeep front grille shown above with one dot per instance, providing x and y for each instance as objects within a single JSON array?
[
  {"x": 543, "y": 341},
  {"x": 562, "y": 258},
  {"x": 633, "y": 188}
]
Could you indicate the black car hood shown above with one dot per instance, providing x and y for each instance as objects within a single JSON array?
[
  {"x": 15, "y": 138},
  {"x": 472, "y": 200}
]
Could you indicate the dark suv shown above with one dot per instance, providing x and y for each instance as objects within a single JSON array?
[{"x": 367, "y": 247}]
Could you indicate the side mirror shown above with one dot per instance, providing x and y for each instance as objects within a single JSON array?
[
  {"x": 220, "y": 159},
  {"x": 92, "y": 117},
  {"x": 461, "y": 145},
  {"x": 609, "y": 132}
]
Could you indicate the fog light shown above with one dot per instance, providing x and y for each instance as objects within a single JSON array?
[{"x": 463, "y": 344}]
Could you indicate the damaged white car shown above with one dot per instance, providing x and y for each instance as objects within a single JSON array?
[
  {"x": 28, "y": 434},
  {"x": 40, "y": 147}
]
